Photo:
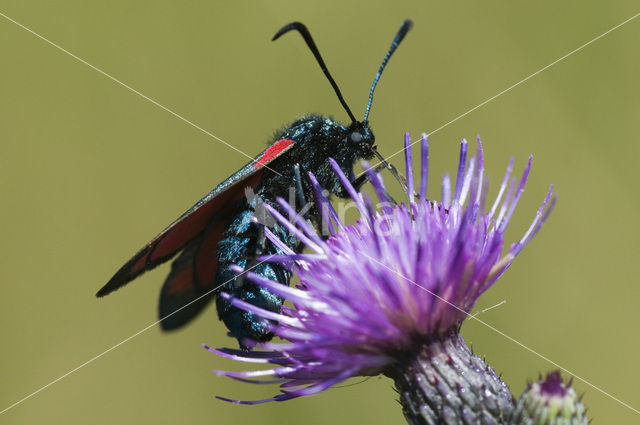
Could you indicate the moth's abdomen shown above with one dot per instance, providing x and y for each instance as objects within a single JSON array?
[
  {"x": 242, "y": 324},
  {"x": 240, "y": 246}
]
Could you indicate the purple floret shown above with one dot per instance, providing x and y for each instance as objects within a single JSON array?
[{"x": 553, "y": 385}]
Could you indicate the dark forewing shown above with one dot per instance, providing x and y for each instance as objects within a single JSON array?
[{"x": 194, "y": 221}]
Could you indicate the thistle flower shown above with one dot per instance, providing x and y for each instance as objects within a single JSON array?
[{"x": 389, "y": 294}]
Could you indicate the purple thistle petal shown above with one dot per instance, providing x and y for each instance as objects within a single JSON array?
[
  {"x": 292, "y": 228},
  {"x": 236, "y": 269},
  {"x": 240, "y": 353},
  {"x": 348, "y": 186},
  {"x": 279, "y": 397},
  {"x": 292, "y": 294},
  {"x": 289, "y": 258},
  {"x": 259, "y": 311},
  {"x": 322, "y": 385},
  {"x": 462, "y": 162},
  {"x": 260, "y": 381},
  {"x": 466, "y": 183},
  {"x": 446, "y": 191},
  {"x": 424, "y": 170},
  {"x": 514, "y": 203},
  {"x": 253, "y": 373},
  {"x": 371, "y": 214},
  {"x": 503, "y": 187},
  {"x": 538, "y": 221},
  {"x": 303, "y": 224},
  {"x": 329, "y": 214},
  {"x": 505, "y": 204},
  {"x": 226, "y": 354},
  {"x": 408, "y": 163},
  {"x": 479, "y": 184},
  {"x": 378, "y": 185},
  {"x": 277, "y": 242}
]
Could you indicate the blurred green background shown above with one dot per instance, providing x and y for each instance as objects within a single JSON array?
[{"x": 89, "y": 172}]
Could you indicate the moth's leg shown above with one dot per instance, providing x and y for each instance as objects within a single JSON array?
[
  {"x": 258, "y": 250},
  {"x": 364, "y": 178},
  {"x": 261, "y": 242},
  {"x": 361, "y": 180},
  {"x": 301, "y": 199},
  {"x": 392, "y": 169}
]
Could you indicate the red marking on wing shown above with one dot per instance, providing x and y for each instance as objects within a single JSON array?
[
  {"x": 181, "y": 282},
  {"x": 272, "y": 152}
]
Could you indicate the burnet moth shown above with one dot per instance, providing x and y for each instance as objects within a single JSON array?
[{"x": 220, "y": 230}]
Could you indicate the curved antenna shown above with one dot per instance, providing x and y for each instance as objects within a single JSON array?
[
  {"x": 404, "y": 29},
  {"x": 304, "y": 32}
]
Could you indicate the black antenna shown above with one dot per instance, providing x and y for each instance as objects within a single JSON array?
[
  {"x": 302, "y": 29},
  {"x": 404, "y": 29}
]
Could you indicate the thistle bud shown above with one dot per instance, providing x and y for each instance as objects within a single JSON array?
[{"x": 549, "y": 401}]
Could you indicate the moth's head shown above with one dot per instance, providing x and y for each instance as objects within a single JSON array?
[{"x": 360, "y": 140}]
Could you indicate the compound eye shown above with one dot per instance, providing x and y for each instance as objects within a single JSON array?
[{"x": 356, "y": 137}]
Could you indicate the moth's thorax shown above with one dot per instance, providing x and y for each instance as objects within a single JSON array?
[{"x": 316, "y": 139}]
